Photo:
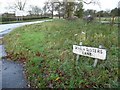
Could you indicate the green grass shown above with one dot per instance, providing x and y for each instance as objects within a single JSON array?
[{"x": 46, "y": 49}]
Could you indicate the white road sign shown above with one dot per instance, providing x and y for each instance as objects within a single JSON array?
[
  {"x": 20, "y": 13},
  {"x": 90, "y": 52}
]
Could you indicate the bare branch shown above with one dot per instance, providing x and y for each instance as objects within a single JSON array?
[
  {"x": 19, "y": 5},
  {"x": 24, "y": 4},
  {"x": 92, "y": 1}
]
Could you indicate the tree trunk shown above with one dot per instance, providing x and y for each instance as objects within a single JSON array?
[
  {"x": 52, "y": 9},
  {"x": 59, "y": 10},
  {"x": 99, "y": 18},
  {"x": 69, "y": 9}
]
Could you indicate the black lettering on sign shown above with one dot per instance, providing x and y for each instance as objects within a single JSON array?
[
  {"x": 83, "y": 53},
  {"x": 99, "y": 51},
  {"x": 87, "y": 49},
  {"x": 90, "y": 50},
  {"x": 90, "y": 54},
  {"x": 87, "y": 53},
  {"x": 75, "y": 47},
  {"x": 84, "y": 49},
  {"x": 94, "y": 50},
  {"x": 80, "y": 49}
]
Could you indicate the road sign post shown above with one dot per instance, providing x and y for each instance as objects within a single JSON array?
[
  {"x": 77, "y": 57},
  {"x": 96, "y": 60},
  {"x": 96, "y": 53}
]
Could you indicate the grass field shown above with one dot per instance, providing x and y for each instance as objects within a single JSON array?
[{"x": 46, "y": 51}]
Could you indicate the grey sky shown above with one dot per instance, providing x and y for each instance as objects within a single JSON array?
[{"x": 105, "y": 4}]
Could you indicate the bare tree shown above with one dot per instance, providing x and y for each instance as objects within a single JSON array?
[
  {"x": 57, "y": 7},
  {"x": 36, "y": 10},
  {"x": 44, "y": 9},
  {"x": 18, "y": 4},
  {"x": 49, "y": 7}
]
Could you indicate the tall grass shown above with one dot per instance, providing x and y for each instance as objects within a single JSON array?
[{"x": 46, "y": 50}]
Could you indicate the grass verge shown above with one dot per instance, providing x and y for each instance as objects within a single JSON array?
[{"x": 46, "y": 51}]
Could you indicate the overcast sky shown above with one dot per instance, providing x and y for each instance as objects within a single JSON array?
[{"x": 105, "y": 4}]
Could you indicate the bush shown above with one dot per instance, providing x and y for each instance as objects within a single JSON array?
[{"x": 8, "y": 19}]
